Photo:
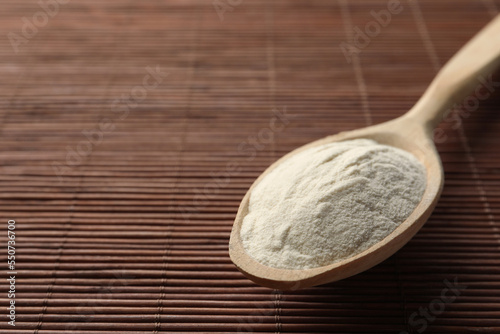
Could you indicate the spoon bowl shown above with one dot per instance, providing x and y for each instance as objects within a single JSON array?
[
  {"x": 416, "y": 142},
  {"x": 412, "y": 132}
]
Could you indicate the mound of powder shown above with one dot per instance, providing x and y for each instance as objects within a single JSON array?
[{"x": 331, "y": 202}]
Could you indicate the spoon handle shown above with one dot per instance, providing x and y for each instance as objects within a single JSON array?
[{"x": 467, "y": 71}]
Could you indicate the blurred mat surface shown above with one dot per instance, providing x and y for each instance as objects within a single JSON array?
[{"x": 130, "y": 131}]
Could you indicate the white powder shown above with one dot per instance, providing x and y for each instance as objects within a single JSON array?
[{"x": 331, "y": 202}]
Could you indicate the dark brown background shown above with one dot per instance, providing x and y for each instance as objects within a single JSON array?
[{"x": 133, "y": 238}]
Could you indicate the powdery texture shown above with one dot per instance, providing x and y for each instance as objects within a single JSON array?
[{"x": 331, "y": 202}]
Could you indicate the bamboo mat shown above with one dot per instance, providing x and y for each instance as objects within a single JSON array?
[{"x": 130, "y": 131}]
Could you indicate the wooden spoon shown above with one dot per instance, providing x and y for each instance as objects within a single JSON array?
[{"x": 412, "y": 132}]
